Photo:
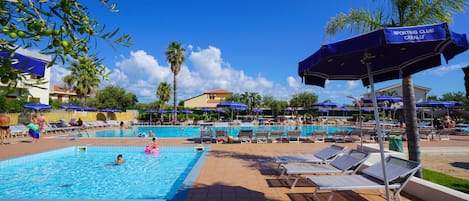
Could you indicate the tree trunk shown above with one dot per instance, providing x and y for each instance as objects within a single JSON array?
[
  {"x": 174, "y": 96},
  {"x": 413, "y": 139}
]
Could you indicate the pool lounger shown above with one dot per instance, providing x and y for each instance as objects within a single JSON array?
[
  {"x": 345, "y": 164},
  {"x": 399, "y": 171},
  {"x": 323, "y": 156}
]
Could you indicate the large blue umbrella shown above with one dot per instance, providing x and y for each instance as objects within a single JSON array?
[
  {"x": 37, "y": 106},
  {"x": 325, "y": 104},
  {"x": 70, "y": 107},
  {"x": 390, "y": 99},
  {"x": 90, "y": 109},
  {"x": 233, "y": 106},
  {"x": 384, "y": 54},
  {"x": 436, "y": 104}
]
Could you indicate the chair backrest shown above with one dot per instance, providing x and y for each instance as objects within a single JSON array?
[
  {"x": 206, "y": 133},
  {"x": 262, "y": 133},
  {"x": 276, "y": 133},
  {"x": 294, "y": 132},
  {"x": 320, "y": 132},
  {"x": 350, "y": 161},
  {"x": 220, "y": 133},
  {"x": 395, "y": 168},
  {"x": 329, "y": 152},
  {"x": 245, "y": 133}
]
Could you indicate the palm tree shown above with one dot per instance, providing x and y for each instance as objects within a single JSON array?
[
  {"x": 401, "y": 13},
  {"x": 175, "y": 56},
  {"x": 163, "y": 92},
  {"x": 84, "y": 77}
]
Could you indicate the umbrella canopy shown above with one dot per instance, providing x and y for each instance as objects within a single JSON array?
[
  {"x": 232, "y": 105},
  {"x": 391, "y": 53},
  {"x": 325, "y": 104},
  {"x": 90, "y": 109},
  {"x": 257, "y": 110},
  {"x": 37, "y": 106},
  {"x": 435, "y": 104},
  {"x": 110, "y": 110},
  {"x": 384, "y": 54},
  {"x": 70, "y": 107},
  {"x": 220, "y": 111},
  {"x": 390, "y": 99},
  {"x": 204, "y": 109},
  {"x": 187, "y": 111},
  {"x": 323, "y": 111},
  {"x": 162, "y": 111},
  {"x": 151, "y": 111}
]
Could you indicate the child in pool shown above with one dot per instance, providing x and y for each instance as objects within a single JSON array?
[{"x": 119, "y": 159}]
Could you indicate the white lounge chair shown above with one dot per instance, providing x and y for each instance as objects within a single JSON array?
[
  {"x": 323, "y": 156},
  {"x": 262, "y": 136},
  {"x": 399, "y": 171},
  {"x": 245, "y": 136},
  {"x": 347, "y": 163},
  {"x": 293, "y": 136}
]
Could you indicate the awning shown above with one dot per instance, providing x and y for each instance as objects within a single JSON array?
[{"x": 25, "y": 63}]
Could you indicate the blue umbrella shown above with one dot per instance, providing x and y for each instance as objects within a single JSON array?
[
  {"x": 37, "y": 106},
  {"x": 384, "y": 54},
  {"x": 390, "y": 99},
  {"x": 70, "y": 107},
  {"x": 89, "y": 109},
  {"x": 325, "y": 104},
  {"x": 187, "y": 111},
  {"x": 233, "y": 106}
]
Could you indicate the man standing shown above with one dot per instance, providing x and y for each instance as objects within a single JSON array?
[{"x": 5, "y": 129}]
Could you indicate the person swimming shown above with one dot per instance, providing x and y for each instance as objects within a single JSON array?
[{"x": 119, "y": 159}]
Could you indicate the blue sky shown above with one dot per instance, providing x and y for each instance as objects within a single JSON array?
[{"x": 239, "y": 46}]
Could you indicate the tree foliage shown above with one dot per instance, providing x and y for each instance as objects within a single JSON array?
[
  {"x": 163, "y": 93},
  {"x": 303, "y": 100},
  {"x": 113, "y": 97},
  {"x": 60, "y": 28},
  {"x": 175, "y": 55},
  {"x": 85, "y": 76}
]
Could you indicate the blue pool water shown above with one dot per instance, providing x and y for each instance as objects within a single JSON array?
[
  {"x": 194, "y": 131},
  {"x": 72, "y": 174}
]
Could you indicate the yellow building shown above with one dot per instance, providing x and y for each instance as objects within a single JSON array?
[{"x": 208, "y": 99}]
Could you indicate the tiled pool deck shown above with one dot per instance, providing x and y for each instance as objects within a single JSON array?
[{"x": 245, "y": 171}]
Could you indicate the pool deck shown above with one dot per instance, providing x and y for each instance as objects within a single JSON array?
[{"x": 239, "y": 172}]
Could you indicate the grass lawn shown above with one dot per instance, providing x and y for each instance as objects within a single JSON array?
[{"x": 446, "y": 180}]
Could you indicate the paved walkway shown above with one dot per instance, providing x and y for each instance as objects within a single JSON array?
[{"x": 246, "y": 172}]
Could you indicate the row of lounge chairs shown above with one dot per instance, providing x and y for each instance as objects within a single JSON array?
[
  {"x": 330, "y": 171},
  {"x": 291, "y": 136},
  {"x": 61, "y": 128}
]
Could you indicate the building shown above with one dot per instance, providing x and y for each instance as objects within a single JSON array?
[
  {"x": 34, "y": 82},
  {"x": 419, "y": 91},
  {"x": 208, "y": 99},
  {"x": 62, "y": 94}
]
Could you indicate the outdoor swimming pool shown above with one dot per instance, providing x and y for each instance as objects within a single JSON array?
[
  {"x": 71, "y": 173},
  {"x": 194, "y": 131}
]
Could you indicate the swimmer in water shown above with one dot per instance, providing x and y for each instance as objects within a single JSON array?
[{"x": 119, "y": 159}]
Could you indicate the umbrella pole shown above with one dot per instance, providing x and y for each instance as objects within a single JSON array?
[{"x": 378, "y": 127}]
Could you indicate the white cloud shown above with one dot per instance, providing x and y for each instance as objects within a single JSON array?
[
  {"x": 203, "y": 70},
  {"x": 352, "y": 84},
  {"x": 443, "y": 70},
  {"x": 292, "y": 82},
  {"x": 56, "y": 75}
]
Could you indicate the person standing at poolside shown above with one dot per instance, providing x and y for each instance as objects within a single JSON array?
[
  {"x": 34, "y": 131},
  {"x": 5, "y": 129}
]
